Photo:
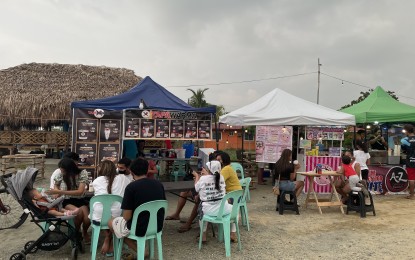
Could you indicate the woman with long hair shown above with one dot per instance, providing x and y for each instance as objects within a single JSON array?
[
  {"x": 211, "y": 188},
  {"x": 108, "y": 182},
  {"x": 71, "y": 183},
  {"x": 286, "y": 171}
]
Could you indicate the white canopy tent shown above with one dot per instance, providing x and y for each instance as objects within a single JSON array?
[{"x": 281, "y": 108}]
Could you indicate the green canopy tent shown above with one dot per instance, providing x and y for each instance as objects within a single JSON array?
[{"x": 380, "y": 107}]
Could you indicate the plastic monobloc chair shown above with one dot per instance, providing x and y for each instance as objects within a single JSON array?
[
  {"x": 243, "y": 207},
  {"x": 107, "y": 200},
  {"x": 225, "y": 221},
  {"x": 153, "y": 207},
  {"x": 179, "y": 169},
  {"x": 237, "y": 167}
]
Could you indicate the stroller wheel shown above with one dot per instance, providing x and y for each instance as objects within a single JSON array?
[
  {"x": 18, "y": 256},
  {"x": 29, "y": 244},
  {"x": 74, "y": 253}
]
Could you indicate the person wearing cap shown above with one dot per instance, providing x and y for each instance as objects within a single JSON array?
[{"x": 211, "y": 188}]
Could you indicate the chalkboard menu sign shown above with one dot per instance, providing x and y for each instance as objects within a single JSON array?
[{"x": 86, "y": 130}]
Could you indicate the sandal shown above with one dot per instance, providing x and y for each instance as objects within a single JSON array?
[
  {"x": 183, "y": 229},
  {"x": 198, "y": 238}
]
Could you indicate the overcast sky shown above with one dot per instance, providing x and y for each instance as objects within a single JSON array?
[{"x": 179, "y": 43}]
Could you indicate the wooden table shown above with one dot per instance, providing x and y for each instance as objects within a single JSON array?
[{"x": 322, "y": 202}]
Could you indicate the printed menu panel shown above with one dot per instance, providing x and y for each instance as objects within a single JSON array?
[
  {"x": 271, "y": 141},
  {"x": 204, "y": 129},
  {"x": 86, "y": 130},
  {"x": 324, "y": 133},
  {"x": 162, "y": 128},
  {"x": 190, "y": 129},
  {"x": 87, "y": 153},
  {"x": 109, "y": 130},
  {"x": 147, "y": 128},
  {"x": 132, "y": 127},
  {"x": 177, "y": 128},
  {"x": 109, "y": 152}
]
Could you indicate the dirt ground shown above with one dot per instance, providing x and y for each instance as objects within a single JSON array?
[{"x": 388, "y": 235}]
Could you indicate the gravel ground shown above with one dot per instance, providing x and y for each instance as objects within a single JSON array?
[{"x": 272, "y": 236}]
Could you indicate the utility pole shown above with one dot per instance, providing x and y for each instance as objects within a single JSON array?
[{"x": 318, "y": 81}]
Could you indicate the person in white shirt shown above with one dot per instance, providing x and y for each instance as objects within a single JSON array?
[
  {"x": 108, "y": 182},
  {"x": 362, "y": 157},
  {"x": 70, "y": 155},
  {"x": 211, "y": 188},
  {"x": 123, "y": 167}
]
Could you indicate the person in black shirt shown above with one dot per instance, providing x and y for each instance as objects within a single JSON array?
[
  {"x": 138, "y": 192},
  {"x": 408, "y": 146},
  {"x": 377, "y": 142},
  {"x": 287, "y": 171}
]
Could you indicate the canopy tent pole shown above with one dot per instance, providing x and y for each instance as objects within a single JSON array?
[
  {"x": 217, "y": 132},
  {"x": 242, "y": 148}
]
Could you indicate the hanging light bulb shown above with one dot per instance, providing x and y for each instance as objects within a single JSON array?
[{"x": 227, "y": 141}]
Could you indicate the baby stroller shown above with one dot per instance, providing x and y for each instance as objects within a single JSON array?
[{"x": 56, "y": 230}]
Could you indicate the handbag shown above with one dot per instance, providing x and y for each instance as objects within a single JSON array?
[{"x": 276, "y": 188}]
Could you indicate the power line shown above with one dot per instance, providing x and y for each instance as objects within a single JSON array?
[
  {"x": 360, "y": 85},
  {"x": 243, "y": 81}
]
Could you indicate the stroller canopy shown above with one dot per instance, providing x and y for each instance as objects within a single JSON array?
[{"x": 21, "y": 180}]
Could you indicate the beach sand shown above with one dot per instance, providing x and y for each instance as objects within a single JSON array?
[{"x": 309, "y": 235}]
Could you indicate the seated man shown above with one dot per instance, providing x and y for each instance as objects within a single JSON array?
[
  {"x": 123, "y": 168},
  {"x": 138, "y": 192}
]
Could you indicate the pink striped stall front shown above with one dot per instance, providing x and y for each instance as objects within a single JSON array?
[{"x": 329, "y": 163}]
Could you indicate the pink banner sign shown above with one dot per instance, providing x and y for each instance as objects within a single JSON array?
[{"x": 329, "y": 163}]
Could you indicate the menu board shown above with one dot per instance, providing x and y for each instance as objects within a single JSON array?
[
  {"x": 87, "y": 153},
  {"x": 132, "y": 127},
  {"x": 86, "y": 130},
  {"x": 109, "y": 151},
  {"x": 147, "y": 128},
  {"x": 154, "y": 124},
  {"x": 324, "y": 133},
  {"x": 177, "y": 127},
  {"x": 271, "y": 141},
  {"x": 110, "y": 130},
  {"x": 204, "y": 129},
  {"x": 190, "y": 129},
  {"x": 162, "y": 128}
]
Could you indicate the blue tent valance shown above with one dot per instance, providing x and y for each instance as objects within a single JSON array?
[{"x": 153, "y": 95}]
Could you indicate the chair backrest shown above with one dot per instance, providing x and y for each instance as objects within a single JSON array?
[
  {"x": 245, "y": 184},
  {"x": 236, "y": 196},
  {"x": 237, "y": 167},
  {"x": 153, "y": 208},
  {"x": 179, "y": 167},
  {"x": 106, "y": 200}
]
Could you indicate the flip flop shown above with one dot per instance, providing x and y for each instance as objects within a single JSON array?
[
  {"x": 183, "y": 229},
  {"x": 171, "y": 218},
  {"x": 185, "y": 221},
  {"x": 203, "y": 241},
  {"x": 109, "y": 254}
]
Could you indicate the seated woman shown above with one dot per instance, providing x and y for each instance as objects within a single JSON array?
[
  {"x": 211, "y": 188},
  {"x": 71, "y": 183},
  {"x": 108, "y": 182},
  {"x": 286, "y": 171}
]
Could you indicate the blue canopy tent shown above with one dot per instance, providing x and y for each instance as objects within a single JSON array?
[{"x": 153, "y": 95}]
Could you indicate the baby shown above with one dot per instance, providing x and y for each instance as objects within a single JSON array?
[{"x": 41, "y": 200}]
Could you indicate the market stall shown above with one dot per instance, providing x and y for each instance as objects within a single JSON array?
[
  {"x": 147, "y": 111},
  {"x": 379, "y": 109},
  {"x": 279, "y": 108}
]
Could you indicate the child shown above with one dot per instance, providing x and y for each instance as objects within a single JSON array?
[
  {"x": 41, "y": 201},
  {"x": 362, "y": 156}
]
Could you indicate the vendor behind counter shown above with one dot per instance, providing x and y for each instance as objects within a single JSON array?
[{"x": 377, "y": 141}]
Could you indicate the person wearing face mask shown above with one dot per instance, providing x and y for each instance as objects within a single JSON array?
[{"x": 123, "y": 168}]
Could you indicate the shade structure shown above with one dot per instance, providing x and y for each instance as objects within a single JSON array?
[
  {"x": 379, "y": 106},
  {"x": 154, "y": 96},
  {"x": 281, "y": 108}
]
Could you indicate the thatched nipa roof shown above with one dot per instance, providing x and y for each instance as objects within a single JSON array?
[{"x": 40, "y": 94}]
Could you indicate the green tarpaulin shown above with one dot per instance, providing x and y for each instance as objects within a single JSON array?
[{"x": 381, "y": 107}]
